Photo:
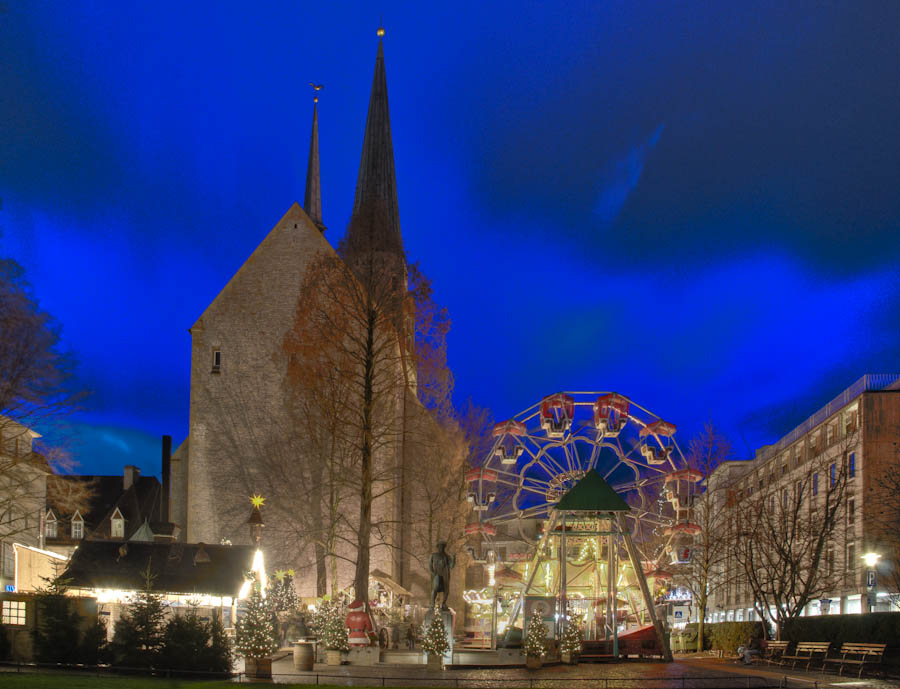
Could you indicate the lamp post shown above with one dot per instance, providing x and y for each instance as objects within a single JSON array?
[{"x": 871, "y": 559}]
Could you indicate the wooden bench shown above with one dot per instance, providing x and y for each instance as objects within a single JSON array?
[
  {"x": 857, "y": 655},
  {"x": 806, "y": 651},
  {"x": 774, "y": 651}
]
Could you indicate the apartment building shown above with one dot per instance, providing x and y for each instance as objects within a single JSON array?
[{"x": 837, "y": 460}]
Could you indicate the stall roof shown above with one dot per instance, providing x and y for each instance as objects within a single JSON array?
[
  {"x": 185, "y": 568},
  {"x": 592, "y": 494}
]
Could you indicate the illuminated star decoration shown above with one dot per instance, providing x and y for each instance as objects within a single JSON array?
[
  {"x": 280, "y": 574},
  {"x": 257, "y": 501}
]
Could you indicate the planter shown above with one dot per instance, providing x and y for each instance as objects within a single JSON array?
[
  {"x": 303, "y": 656},
  {"x": 435, "y": 661},
  {"x": 259, "y": 668},
  {"x": 569, "y": 658},
  {"x": 333, "y": 657},
  {"x": 533, "y": 662}
]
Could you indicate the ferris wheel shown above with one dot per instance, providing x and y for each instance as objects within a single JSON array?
[{"x": 539, "y": 454}]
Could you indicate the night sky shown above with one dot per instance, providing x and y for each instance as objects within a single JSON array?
[{"x": 694, "y": 204}]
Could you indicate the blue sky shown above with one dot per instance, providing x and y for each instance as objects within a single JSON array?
[{"x": 694, "y": 204}]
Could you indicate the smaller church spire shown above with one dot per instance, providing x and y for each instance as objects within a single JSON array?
[{"x": 312, "y": 200}]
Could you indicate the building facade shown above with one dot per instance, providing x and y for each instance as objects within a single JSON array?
[{"x": 847, "y": 452}]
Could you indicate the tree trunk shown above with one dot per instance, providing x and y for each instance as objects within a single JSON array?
[
  {"x": 701, "y": 627},
  {"x": 361, "y": 578},
  {"x": 321, "y": 571}
]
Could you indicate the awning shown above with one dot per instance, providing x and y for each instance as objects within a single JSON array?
[{"x": 385, "y": 580}]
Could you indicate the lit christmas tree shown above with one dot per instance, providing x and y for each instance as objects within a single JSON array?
[
  {"x": 329, "y": 624},
  {"x": 536, "y": 637},
  {"x": 435, "y": 636},
  {"x": 281, "y": 594},
  {"x": 572, "y": 640},
  {"x": 255, "y": 632}
]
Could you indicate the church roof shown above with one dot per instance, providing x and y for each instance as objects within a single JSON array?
[
  {"x": 312, "y": 199},
  {"x": 375, "y": 222},
  {"x": 592, "y": 494}
]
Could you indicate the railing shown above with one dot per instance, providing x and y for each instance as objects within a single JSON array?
[{"x": 869, "y": 382}]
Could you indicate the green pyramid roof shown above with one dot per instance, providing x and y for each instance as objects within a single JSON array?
[{"x": 592, "y": 494}]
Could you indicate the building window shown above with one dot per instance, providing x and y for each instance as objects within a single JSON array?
[
  {"x": 784, "y": 468},
  {"x": 13, "y": 612},
  {"x": 829, "y": 559},
  {"x": 7, "y": 560},
  {"x": 117, "y": 527},
  {"x": 216, "y": 360},
  {"x": 772, "y": 504},
  {"x": 760, "y": 484},
  {"x": 798, "y": 492},
  {"x": 832, "y": 474},
  {"x": 78, "y": 529},
  {"x": 851, "y": 465},
  {"x": 815, "y": 483},
  {"x": 784, "y": 498},
  {"x": 50, "y": 528},
  {"x": 851, "y": 557},
  {"x": 851, "y": 512}
]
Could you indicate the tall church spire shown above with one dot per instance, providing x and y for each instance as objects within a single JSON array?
[
  {"x": 375, "y": 222},
  {"x": 312, "y": 200}
]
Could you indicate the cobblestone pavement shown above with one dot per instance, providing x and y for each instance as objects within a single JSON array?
[{"x": 630, "y": 675}]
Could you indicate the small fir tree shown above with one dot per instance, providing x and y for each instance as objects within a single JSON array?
[
  {"x": 572, "y": 640},
  {"x": 220, "y": 652},
  {"x": 255, "y": 631},
  {"x": 185, "y": 640},
  {"x": 536, "y": 637},
  {"x": 434, "y": 641},
  {"x": 281, "y": 594},
  {"x": 56, "y": 638},
  {"x": 94, "y": 647},
  {"x": 331, "y": 627},
  {"x": 138, "y": 636}
]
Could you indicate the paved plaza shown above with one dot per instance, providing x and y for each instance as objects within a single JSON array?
[{"x": 699, "y": 673}]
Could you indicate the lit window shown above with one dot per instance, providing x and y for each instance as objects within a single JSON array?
[
  {"x": 78, "y": 529},
  {"x": 829, "y": 559},
  {"x": 117, "y": 527},
  {"x": 13, "y": 612},
  {"x": 50, "y": 528},
  {"x": 851, "y": 465}
]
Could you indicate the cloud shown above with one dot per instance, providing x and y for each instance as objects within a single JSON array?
[{"x": 621, "y": 177}]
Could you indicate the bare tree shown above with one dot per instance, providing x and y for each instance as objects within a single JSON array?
[
  {"x": 885, "y": 515},
  {"x": 36, "y": 388},
  {"x": 783, "y": 533},
  {"x": 706, "y": 572}
]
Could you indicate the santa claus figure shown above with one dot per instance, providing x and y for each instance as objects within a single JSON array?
[{"x": 359, "y": 622}]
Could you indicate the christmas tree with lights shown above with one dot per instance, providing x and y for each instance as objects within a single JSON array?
[
  {"x": 330, "y": 626},
  {"x": 536, "y": 637},
  {"x": 435, "y": 636},
  {"x": 255, "y": 632},
  {"x": 281, "y": 594},
  {"x": 572, "y": 640}
]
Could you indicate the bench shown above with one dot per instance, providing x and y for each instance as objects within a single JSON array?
[
  {"x": 807, "y": 651},
  {"x": 774, "y": 651},
  {"x": 857, "y": 655}
]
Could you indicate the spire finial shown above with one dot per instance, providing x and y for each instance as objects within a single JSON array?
[
  {"x": 380, "y": 30},
  {"x": 316, "y": 89}
]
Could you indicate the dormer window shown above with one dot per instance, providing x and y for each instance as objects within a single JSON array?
[
  {"x": 50, "y": 525},
  {"x": 216, "y": 360},
  {"x": 77, "y": 527},
  {"x": 117, "y": 525}
]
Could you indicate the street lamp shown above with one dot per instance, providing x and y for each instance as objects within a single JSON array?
[{"x": 871, "y": 559}]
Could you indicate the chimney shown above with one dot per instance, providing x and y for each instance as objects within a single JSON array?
[
  {"x": 166, "y": 478},
  {"x": 132, "y": 474}
]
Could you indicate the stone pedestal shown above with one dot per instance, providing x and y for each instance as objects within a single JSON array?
[{"x": 448, "y": 617}]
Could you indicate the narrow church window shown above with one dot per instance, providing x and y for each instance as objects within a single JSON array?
[
  {"x": 118, "y": 528},
  {"x": 216, "y": 360}
]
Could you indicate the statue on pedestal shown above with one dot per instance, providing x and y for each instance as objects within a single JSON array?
[{"x": 440, "y": 565}]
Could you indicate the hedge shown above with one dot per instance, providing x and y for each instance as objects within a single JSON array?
[
  {"x": 871, "y": 627},
  {"x": 726, "y": 636}
]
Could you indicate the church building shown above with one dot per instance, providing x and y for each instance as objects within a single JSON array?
[{"x": 241, "y": 436}]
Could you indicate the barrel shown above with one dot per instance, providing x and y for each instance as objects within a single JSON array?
[{"x": 303, "y": 655}]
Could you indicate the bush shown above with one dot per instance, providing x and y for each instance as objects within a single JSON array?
[
  {"x": 872, "y": 627},
  {"x": 193, "y": 644},
  {"x": 94, "y": 647},
  {"x": 727, "y": 636},
  {"x": 5, "y": 647}
]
